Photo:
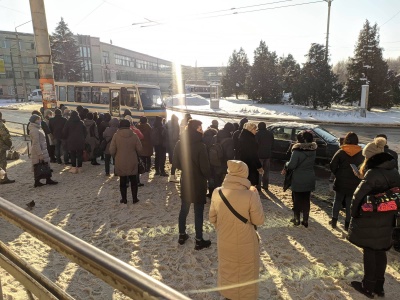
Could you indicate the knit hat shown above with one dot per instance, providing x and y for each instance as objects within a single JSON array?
[
  {"x": 376, "y": 147},
  {"x": 34, "y": 118},
  {"x": 238, "y": 168}
]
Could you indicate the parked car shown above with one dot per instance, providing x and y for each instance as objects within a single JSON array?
[
  {"x": 285, "y": 136},
  {"x": 35, "y": 95}
]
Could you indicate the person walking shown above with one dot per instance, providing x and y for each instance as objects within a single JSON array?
[
  {"x": 5, "y": 144},
  {"x": 75, "y": 133},
  {"x": 147, "y": 151},
  {"x": 303, "y": 179},
  {"x": 158, "y": 141},
  {"x": 92, "y": 138},
  {"x": 248, "y": 152},
  {"x": 345, "y": 182},
  {"x": 56, "y": 126},
  {"x": 237, "y": 242},
  {"x": 372, "y": 230},
  {"x": 108, "y": 134},
  {"x": 125, "y": 147},
  {"x": 172, "y": 132},
  {"x": 265, "y": 140},
  {"x": 190, "y": 156},
  {"x": 39, "y": 151}
]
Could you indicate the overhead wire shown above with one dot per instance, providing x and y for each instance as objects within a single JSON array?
[
  {"x": 85, "y": 17},
  {"x": 390, "y": 19}
]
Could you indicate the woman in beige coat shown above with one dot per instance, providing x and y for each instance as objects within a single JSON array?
[
  {"x": 125, "y": 147},
  {"x": 238, "y": 243}
]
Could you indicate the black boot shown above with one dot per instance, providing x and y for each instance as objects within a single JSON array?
[
  {"x": 296, "y": 218},
  {"x": 38, "y": 183},
  {"x": 359, "y": 287},
  {"x": 333, "y": 222},
  {"x": 305, "y": 222},
  {"x": 134, "y": 190},
  {"x": 201, "y": 244},
  {"x": 50, "y": 181},
  {"x": 346, "y": 225},
  {"x": 379, "y": 288},
  {"x": 123, "y": 194}
]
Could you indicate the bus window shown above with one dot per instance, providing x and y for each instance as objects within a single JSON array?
[
  {"x": 129, "y": 98},
  {"x": 62, "y": 93},
  {"x": 115, "y": 104},
  {"x": 71, "y": 93},
  {"x": 104, "y": 96},
  {"x": 82, "y": 94},
  {"x": 151, "y": 98},
  {"x": 95, "y": 95}
]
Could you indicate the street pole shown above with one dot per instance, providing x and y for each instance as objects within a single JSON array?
[
  {"x": 327, "y": 29},
  {"x": 14, "y": 79},
  {"x": 20, "y": 62},
  {"x": 43, "y": 53}
]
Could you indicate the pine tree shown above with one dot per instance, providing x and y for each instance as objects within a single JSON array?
[
  {"x": 368, "y": 67},
  {"x": 263, "y": 82},
  {"x": 235, "y": 77},
  {"x": 289, "y": 71},
  {"x": 340, "y": 69},
  {"x": 317, "y": 85},
  {"x": 67, "y": 64}
]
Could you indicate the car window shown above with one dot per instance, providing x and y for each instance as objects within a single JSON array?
[
  {"x": 282, "y": 133},
  {"x": 327, "y": 136}
]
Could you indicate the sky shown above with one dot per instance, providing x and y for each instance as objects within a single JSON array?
[{"x": 205, "y": 33}]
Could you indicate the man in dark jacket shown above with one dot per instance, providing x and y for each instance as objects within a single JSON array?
[
  {"x": 190, "y": 156},
  {"x": 224, "y": 138},
  {"x": 56, "y": 126},
  {"x": 265, "y": 140},
  {"x": 236, "y": 135},
  {"x": 390, "y": 151}
]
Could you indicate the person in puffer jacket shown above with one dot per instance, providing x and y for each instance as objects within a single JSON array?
[{"x": 369, "y": 230}]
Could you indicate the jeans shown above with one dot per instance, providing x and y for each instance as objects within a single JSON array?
[
  {"x": 301, "y": 203},
  {"x": 160, "y": 157},
  {"x": 107, "y": 161},
  {"x": 375, "y": 262},
  {"x": 266, "y": 165},
  {"x": 337, "y": 205},
  {"x": 76, "y": 158},
  {"x": 198, "y": 218}
]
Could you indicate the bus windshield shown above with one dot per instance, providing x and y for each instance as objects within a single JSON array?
[{"x": 151, "y": 98}]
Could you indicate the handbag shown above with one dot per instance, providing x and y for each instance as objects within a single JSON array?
[
  {"x": 85, "y": 156},
  {"x": 237, "y": 215},
  {"x": 287, "y": 182},
  {"x": 41, "y": 170}
]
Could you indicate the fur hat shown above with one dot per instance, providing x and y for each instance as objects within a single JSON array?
[
  {"x": 238, "y": 168},
  {"x": 375, "y": 147},
  {"x": 34, "y": 118}
]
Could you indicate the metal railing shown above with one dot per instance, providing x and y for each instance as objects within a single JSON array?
[
  {"x": 106, "y": 267},
  {"x": 24, "y": 132}
]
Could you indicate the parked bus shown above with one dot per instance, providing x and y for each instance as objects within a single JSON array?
[{"x": 115, "y": 98}]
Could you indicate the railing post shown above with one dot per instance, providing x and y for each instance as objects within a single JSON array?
[
  {"x": 23, "y": 128},
  {"x": 1, "y": 291}
]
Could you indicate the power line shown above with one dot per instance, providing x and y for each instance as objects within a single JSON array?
[
  {"x": 390, "y": 19},
  {"x": 85, "y": 17}
]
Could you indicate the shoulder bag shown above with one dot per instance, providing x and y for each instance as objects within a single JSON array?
[
  {"x": 237, "y": 215},
  {"x": 287, "y": 182}
]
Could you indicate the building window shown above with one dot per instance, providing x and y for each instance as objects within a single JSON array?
[
  {"x": 1, "y": 91},
  {"x": 122, "y": 60},
  {"x": 9, "y": 74},
  {"x": 27, "y": 75},
  {"x": 36, "y": 75}
]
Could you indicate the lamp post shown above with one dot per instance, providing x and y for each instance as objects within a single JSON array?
[
  {"x": 20, "y": 61},
  {"x": 327, "y": 29}
]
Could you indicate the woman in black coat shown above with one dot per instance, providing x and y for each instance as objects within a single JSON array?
[
  {"x": 372, "y": 231},
  {"x": 75, "y": 133},
  {"x": 248, "y": 152}
]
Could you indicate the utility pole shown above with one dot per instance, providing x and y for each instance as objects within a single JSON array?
[
  {"x": 327, "y": 29},
  {"x": 14, "y": 80},
  {"x": 43, "y": 54},
  {"x": 20, "y": 62}
]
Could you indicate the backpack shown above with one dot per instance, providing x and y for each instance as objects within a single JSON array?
[{"x": 216, "y": 154}]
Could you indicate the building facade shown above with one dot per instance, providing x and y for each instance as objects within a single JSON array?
[{"x": 101, "y": 62}]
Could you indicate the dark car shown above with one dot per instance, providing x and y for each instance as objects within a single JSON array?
[{"x": 285, "y": 136}]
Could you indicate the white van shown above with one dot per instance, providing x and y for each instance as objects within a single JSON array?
[{"x": 35, "y": 95}]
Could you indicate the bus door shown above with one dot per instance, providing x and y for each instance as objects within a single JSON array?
[{"x": 115, "y": 103}]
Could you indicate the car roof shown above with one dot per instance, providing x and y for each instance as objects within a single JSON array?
[{"x": 294, "y": 125}]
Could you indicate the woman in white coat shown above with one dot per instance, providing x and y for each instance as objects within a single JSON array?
[
  {"x": 238, "y": 243},
  {"x": 39, "y": 147}
]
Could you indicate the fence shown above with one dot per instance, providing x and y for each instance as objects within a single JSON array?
[
  {"x": 111, "y": 270},
  {"x": 13, "y": 129}
]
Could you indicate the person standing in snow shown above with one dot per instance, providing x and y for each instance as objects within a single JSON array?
[
  {"x": 345, "y": 182},
  {"x": 265, "y": 141}
]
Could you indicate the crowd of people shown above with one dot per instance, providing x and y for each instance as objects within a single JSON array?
[{"x": 230, "y": 165}]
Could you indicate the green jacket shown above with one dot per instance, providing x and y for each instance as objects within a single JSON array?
[{"x": 5, "y": 137}]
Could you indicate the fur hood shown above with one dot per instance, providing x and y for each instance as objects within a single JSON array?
[
  {"x": 382, "y": 160},
  {"x": 305, "y": 146}
]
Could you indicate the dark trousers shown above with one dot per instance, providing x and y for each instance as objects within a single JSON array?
[
  {"x": 76, "y": 158},
  {"x": 375, "y": 262},
  {"x": 337, "y": 205},
  {"x": 107, "y": 161},
  {"x": 198, "y": 218},
  {"x": 266, "y": 165},
  {"x": 52, "y": 150},
  {"x": 123, "y": 180},
  {"x": 160, "y": 157},
  {"x": 301, "y": 204},
  {"x": 147, "y": 162}
]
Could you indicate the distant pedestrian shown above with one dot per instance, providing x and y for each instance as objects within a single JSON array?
[
  {"x": 302, "y": 163},
  {"x": 159, "y": 143},
  {"x": 172, "y": 132},
  {"x": 126, "y": 147},
  {"x": 265, "y": 141},
  {"x": 236, "y": 135},
  {"x": 214, "y": 124},
  {"x": 390, "y": 151},
  {"x": 56, "y": 126},
  {"x": 147, "y": 151},
  {"x": 191, "y": 157},
  {"x": 5, "y": 144},
  {"x": 224, "y": 138},
  {"x": 238, "y": 243},
  {"x": 92, "y": 138}
]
